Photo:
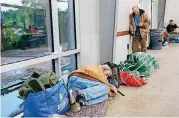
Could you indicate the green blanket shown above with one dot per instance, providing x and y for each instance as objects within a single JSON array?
[{"x": 140, "y": 64}]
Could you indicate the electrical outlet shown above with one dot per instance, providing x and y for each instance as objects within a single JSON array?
[{"x": 128, "y": 46}]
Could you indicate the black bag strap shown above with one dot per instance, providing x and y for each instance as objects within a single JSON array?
[{"x": 120, "y": 93}]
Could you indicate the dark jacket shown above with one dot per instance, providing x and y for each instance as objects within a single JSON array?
[{"x": 171, "y": 28}]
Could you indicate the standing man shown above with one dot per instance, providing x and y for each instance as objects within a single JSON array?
[{"x": 139, "y": 28}]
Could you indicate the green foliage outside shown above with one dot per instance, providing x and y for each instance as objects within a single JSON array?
[
  {"x": 63, "y": 25},
  {"x": 15, "y": 21},
  {"x": 31, "y": 13}
]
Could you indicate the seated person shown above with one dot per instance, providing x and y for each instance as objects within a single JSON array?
[
  {"x": 89, "y": 85},
  {"x": 171, "y": 27}
]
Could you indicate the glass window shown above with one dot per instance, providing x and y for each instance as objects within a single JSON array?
[
  {"x": 25, "y": 29},
  {"x": 69, "y": 64},
  {"x": 11, "y": 104},
  {"x": 66, "y": 24}
]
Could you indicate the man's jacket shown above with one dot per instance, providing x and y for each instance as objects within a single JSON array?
[
  {"x": 171, "y": 28},
  {"x": 94, "y": 72},
  {"x": 144, "y": 20}
]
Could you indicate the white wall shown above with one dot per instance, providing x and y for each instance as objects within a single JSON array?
[
  {"x": 88, "y": 30},
  {"x": 121, "y": 49},
  {"x": 161, "y": 13},
  {"x": 171, "y": 12},
  {"x": 154, "y": 14},
  {"x": 146, "y": 5},
  {"x": 88, "y": 22},
  {"x": 124, "y": 8},
  {"x": 106, "y": 29}
]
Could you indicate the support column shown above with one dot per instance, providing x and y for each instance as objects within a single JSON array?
[{"x": 88, "y": 30}]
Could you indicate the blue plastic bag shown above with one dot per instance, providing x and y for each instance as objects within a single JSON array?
[
  {"x": 177, "y": 40},
  {"x": 48, "y": 102}
]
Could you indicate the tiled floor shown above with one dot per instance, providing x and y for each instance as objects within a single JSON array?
[{"x": 160, "y": 97}]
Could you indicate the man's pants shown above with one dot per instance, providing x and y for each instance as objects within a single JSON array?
[
  {"x": 94, "y": 92},
  {"x": 172, "y": 36},
  {"x": 139, "y": 44}
]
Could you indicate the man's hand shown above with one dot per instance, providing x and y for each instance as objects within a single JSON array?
[
  {"x": 140, "y": 24},
  {"x": 132, "y": 32}
]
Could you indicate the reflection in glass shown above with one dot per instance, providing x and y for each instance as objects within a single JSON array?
[
  {"x": 68, "y": 64},
  {"x": 11, "y": 104},
  {"x": 25, "y": 29},
  {"x": 66, "y": 24}
]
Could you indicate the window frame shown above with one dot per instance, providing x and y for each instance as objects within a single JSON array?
[{"x": 56, "y": 54}]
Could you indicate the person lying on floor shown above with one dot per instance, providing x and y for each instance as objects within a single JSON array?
[{"x": 89, "y": 85}]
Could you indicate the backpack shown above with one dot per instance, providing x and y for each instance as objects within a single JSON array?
[{"x": 115, "y": 79}]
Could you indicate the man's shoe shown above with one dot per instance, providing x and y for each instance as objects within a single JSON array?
[
  {"x": 75, "y": 107},
  {"x": 81, "y": 102},
  {"x": 73, "y": 96}
]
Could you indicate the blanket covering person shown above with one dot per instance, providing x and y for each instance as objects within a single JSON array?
[
  {"x": 95, "y": 72},
  {"x": 140, "y": 64},
  {"x": 89, "y": 86},
  {"x": 87, "y": 92}
]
